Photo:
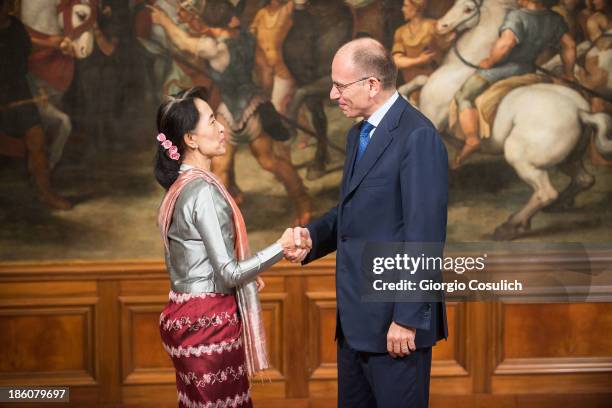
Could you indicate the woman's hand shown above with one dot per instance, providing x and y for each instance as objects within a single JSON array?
[
  {"x": 260, "y": 284},
  {"x": 286, "y": 240},
  {"x": 296, "y": 244}
]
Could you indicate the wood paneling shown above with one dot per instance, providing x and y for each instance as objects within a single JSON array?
[
  {"x": 553, "y": 347},
  {"x": 272, "y": 310},
  {"x": 94, "y": 327},
  {"x": 46, "y": 341},
  {"x": 556, "y": 330},
  {"x": 143, "y": 358}
]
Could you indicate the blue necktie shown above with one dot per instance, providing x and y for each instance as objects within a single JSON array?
[{"x": 364, "y": 138}]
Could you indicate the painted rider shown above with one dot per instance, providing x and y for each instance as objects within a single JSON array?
[{"x": 524, "y": 34}]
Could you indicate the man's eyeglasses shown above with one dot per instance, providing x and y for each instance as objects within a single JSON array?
[{"x": 342, "y": 87}]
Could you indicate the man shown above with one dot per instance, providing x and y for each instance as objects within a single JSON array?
[
  {"x": 394, "y": 189},
  {"x": 270, "y": 26},
  {"x": 18, "y": 115},
  {"x": 524, "y": 34}
]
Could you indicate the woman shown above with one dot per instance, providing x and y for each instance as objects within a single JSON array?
[{"x": 211, "y": 326}]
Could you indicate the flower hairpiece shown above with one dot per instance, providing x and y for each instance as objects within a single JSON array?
[{"x": 167, "y": 144}]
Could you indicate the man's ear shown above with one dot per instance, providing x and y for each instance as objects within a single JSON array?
[{"x": 375, "y": 87}]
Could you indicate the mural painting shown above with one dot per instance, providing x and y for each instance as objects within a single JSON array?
[{"x": 521, "y": 91}]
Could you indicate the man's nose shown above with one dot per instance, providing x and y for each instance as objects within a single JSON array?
[{"x": 334, "y": 94}]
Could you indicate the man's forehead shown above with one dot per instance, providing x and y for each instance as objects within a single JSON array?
[{"x": 342, "y": 68}]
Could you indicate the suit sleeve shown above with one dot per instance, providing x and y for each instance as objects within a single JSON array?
[
  {"x": 424, "y": 191},
  {"x": 323, "y": 232}
]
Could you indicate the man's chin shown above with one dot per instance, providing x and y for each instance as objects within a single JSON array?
[{"x": 348, "y": 113}]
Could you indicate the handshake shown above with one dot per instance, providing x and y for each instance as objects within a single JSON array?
[{"x": 296, "y": 244}]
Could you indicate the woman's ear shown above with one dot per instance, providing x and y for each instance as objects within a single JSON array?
[{"x": 188, "y": 139}]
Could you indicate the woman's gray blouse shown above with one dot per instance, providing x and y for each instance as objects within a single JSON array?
[{"x": 201, "y": 255}]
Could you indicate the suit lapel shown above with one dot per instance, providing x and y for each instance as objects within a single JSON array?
[
  {"x": 351, "y": 153},
  {"x": 383, "y": 135}
]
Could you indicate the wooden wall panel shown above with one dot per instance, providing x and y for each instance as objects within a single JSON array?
[
  {"x": 47, "y": 332},
  {"x": 320, "y": 334},
  {"x": 94, "y": 327},
  {"x": 272, "y": 310},
  {"x": 556, "y": 330},
  {"x": 553, "y": 347},
  {"x": 143, "y": 358},
  {"x": 450, "y": 355},
  {"x": 50, "y": 340},
  {"x": 147, "y": 352}
]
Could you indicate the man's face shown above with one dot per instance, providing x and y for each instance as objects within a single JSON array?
[{"x": 354, "y": 99}]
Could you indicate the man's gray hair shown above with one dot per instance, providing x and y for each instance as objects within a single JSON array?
[{"x": 371, "y": 57}]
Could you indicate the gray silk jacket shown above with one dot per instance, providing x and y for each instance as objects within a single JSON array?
[{"x": 201, "y": 256}]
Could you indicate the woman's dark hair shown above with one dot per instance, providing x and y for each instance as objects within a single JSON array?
[
  {"x": 218, "y": 13},
  {"x": 175, "y": 117}
]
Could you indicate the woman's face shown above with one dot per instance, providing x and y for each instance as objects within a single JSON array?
[
  {"x": 410, "y": 10},
  {"x": 208, "y": 135}
]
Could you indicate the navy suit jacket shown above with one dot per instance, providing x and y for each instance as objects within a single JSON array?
[{"x": 398, "y": 191}]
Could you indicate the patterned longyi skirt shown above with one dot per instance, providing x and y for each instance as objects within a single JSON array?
[{"x": 202, "y": 335}]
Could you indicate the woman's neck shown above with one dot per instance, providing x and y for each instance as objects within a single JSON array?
[{"x": 199, "y": 162}]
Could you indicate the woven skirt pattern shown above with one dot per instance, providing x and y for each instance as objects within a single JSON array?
[{"x": 202, "y": 335}]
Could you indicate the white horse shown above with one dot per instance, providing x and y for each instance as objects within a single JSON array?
[
  {"x": 74, "y": 21},
  {"x": 479, "y": 20},
  {"x": 536, "y": 127}
]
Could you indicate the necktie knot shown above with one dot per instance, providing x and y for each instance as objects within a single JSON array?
[
  {"x": 366, "y": 128},
  {"x": 364, "y": 138}
]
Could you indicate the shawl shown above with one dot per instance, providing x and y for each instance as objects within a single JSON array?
[{"x": 247, "y": 297}]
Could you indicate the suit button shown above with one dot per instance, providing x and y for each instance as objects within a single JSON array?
[{"x": 343, "y": 238}]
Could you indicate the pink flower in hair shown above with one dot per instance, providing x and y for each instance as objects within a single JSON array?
[
  {"x": 173, "y": 149},
  {"x": 175, "y": 156},
  {"x": 161, "y": 137},
  {"x": 166, "y": 144}
]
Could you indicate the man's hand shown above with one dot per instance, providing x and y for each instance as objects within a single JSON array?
[
  {"x": 67, "y": 47},
  {"x": 486, "y": 63},
  {"x": 426, "y": 57},
  {"x": 296, "y": 244},
  {"x": 400, "y": 340},
  {"x": 303, "y": 245},
  {"x": 501, "y": 49}
]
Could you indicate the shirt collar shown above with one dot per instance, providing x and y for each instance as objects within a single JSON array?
[
  {"x": 184, "y": 167},
  {"x": 377, "y": 116}
]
